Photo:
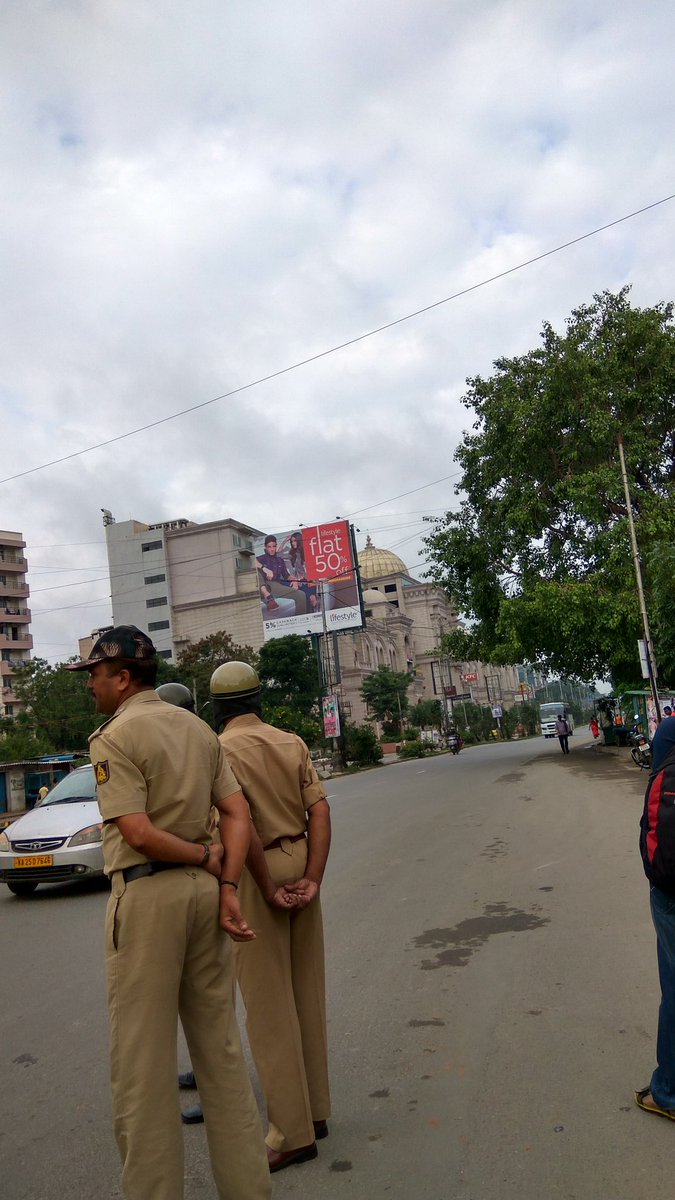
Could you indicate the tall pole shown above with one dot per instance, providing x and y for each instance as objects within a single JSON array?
[{"x": 638, "y": 580}]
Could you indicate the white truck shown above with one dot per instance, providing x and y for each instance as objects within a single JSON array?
[{"x": 549, "y": 713}]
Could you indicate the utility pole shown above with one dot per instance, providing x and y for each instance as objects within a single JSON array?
[{"x": 651, "y": 666}]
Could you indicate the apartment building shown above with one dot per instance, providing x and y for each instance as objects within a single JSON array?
[
  {"x": 182, "y": 581},
  {"x": 16, "y": 642}
]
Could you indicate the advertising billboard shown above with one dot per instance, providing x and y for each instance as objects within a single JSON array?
[
  {"x": 307, "y": 580},
  {"x": 331, "y": 716}
]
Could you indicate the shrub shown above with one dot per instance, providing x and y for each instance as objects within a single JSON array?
[
  {"x": 415, "y": 749},
  {"x": 362, "y": 745}
]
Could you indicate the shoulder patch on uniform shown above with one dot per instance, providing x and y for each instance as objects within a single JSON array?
[{"x": 102, "y": 772}]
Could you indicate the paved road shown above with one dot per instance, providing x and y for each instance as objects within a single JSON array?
[{"x": 493, "y": 997}]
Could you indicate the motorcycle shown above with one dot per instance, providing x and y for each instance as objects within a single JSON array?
[
  {"x": 455, "y": 743},
  {"x": 640, "y": 750}
]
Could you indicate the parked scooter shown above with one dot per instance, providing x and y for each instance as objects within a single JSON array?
[{"x": 640, "y": 750}]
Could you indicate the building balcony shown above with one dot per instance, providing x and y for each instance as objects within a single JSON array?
[
  {"x": 21, "y": 615},
  {"x": 13, "y": 562},
  {"x": 10, "y": 665},
  {"x": 16, "y": 643},
  {"x": 14, "y": 587}
]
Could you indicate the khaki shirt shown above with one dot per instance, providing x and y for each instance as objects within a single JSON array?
[
  {"x": 276, "y": 775},
  {"x": 155, "y": 758}
]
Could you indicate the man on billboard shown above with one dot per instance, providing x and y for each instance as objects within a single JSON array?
[{"x": 276, "y": 582}]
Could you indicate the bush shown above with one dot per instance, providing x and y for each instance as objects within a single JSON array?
[
  {"x": 415, "y": 749},
  {"x": 362, "y": 745}
]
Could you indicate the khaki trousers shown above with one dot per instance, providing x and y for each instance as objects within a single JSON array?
[
  {"x": 282, "y": 981},
  {"x": 166, "y": 956}
]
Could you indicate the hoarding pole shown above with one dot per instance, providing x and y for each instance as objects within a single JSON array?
[{"x": 638, "y": 579}]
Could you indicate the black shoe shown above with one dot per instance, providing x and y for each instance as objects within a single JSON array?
[
  {"x": 320, "y": 1130},
  {"x": 187, "y": 1080},
  {"x": 193, "y": 1116},
  {"x": 278, "y": 1159}
]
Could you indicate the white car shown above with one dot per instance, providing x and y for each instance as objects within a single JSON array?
[{"x": 58, "y": 841}]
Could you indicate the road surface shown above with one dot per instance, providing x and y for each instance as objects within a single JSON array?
[{"x": 492, "y": 996}]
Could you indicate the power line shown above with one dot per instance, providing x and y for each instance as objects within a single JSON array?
[{"x": 312, "y": 358}]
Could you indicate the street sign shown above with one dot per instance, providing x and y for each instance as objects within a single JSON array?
[
  {"x": 642, "y": 651},
  {"x": 497, "y": 711}
]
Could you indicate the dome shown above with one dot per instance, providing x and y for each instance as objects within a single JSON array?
[
  {"x": 376, "y": 563},
  {"x": 372, "y": 596}
]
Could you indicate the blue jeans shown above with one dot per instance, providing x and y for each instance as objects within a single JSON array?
[{"x": 662, "y": 1086}]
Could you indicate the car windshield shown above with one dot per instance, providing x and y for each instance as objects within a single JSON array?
[{"x": 79, "y": 785}]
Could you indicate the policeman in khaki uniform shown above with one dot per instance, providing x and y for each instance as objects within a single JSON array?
[
  {"x": 281, "y": 973},
  {"x": 159, "y": 770}
]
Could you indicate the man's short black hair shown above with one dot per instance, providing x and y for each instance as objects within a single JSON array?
[
  {"x": 143, "y": 671},
  {"x": 269, "y": 539}
]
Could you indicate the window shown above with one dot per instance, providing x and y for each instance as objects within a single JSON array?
[
  {"x": 390, "y": 587},
  {"x": 155, "y": 579},
  {"x": 156, "y": 602},
  {"x": 151, "y": 546},
  {"x": 242, "y": 564},
  {"x": 153, "y": 625},
  {"x": 164, "y": 653},
  {"x": 9, "y": 710},
  {"x": 236, "y": 539}
]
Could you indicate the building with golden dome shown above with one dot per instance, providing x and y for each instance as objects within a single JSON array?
[
  {"x": 183, "y": 581},
  {"x": 405, "y": 622}
]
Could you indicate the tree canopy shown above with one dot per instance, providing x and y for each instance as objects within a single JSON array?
[
  {"x": 386, "y": 694},
  {"x": 59, "y": 709},
  {"x": 288, "y": 673},
  {"x": 537, "y": 556},
  {"x": 197, "y": 662}
]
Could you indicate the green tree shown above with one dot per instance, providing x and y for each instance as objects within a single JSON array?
[
  {"x": 285, "y": 716},
  {"x": 538, "y": 555},
  {"x": 59, "y": 707},
  {"x": 197, "y": 662},
  {"x": 18, "y": 739},
  {"x": 362, "y": 746},
  {"x": 661, "y": 572},
  {"x": 427, "y": 714},
  {"x": 386, "y": 694},
  {"x": 288, "y": 674}
]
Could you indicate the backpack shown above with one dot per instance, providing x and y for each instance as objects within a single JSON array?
[{"x": 657, "y": 826}]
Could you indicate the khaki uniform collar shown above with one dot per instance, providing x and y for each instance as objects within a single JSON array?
[
  {"x": 148, "y": 695},
  {"x": 243, "y": 719}
]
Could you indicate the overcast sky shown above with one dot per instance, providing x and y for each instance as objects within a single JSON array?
[{"x": 196, "y": 196}]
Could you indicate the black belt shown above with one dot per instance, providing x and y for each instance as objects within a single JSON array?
[
  {"x": 149, "y": 868},
  {"x": 293, "y": 837}
]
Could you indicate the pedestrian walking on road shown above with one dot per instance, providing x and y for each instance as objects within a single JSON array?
[
  {"x": 159, "y": 770},
  {"x": 563, "y": 731},
  {"x": 657, "y": 846},
  {"x": 281, "y": 974}
]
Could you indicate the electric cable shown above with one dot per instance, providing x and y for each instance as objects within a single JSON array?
[{"x": 312, "y": 358}]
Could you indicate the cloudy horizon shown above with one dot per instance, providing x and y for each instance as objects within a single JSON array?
[{"x": 194, "y": 200}]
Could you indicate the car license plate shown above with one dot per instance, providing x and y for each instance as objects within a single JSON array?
[{"x": 35, "y": 860}]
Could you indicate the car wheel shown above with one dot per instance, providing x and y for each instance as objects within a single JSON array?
[{"x": 22, "y": 889}]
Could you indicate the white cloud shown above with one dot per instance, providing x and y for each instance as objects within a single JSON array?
[{"x": 197, "y": 196}]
